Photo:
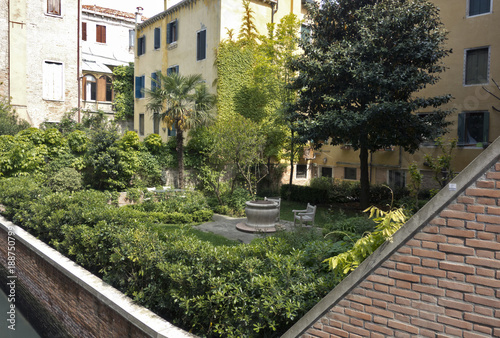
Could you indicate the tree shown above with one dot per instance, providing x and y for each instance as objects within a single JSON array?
[
  {"x": 360, "y": 74},
  {"x": 10, "y": 123},
  {"x": 123, "y": 86},
  {"x": 183, "y": 102}
]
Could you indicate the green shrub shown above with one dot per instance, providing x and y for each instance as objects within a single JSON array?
[{"x": 66, "y": 179}]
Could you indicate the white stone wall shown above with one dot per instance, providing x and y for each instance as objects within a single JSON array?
[
  {"x": 51, "y": 38},
  {"x": 116, "y": 49},
  {"x": 4, "y": 40}
]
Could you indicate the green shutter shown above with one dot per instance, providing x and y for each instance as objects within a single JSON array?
[
  {"x": 169, "y": 28},
  {"x": 461, "y": 128},
  {"x": 486, "y": 127}
]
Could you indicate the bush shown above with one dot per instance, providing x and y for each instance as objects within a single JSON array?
[{"x": 66, "y": 179}]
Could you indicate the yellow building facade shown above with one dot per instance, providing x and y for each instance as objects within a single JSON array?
[
  {"x": 473, "y": 27},
  {"x": 184, "y": 39}
]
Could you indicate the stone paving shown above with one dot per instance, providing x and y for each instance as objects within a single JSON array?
[{"x": 226, "y": 226}]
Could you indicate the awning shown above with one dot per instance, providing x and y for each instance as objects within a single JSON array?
[{"x": 95, "y": 66}]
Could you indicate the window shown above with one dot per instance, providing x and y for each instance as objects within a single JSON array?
[
  {"x": 326, "y": 172},
  {"x": 350, "y": 173},
  {"x": 90, "y": 85},
  {"x": 141, "y": 124},
  {"x": 473, "y": 128},
  {"x": 301, "y": 171},
  {"x": 201, "y": 45},
  {"x": 427, "y": 118},
  {"x": 104, "y": 89},
  {"x": 84, "y": 31},
  {"x": 54, "y": 7},
  {"x": 172, "y": 131},
  {"x": 156, "y": 123},
  {"x": 155, "y": 81},
  {"x": 139, "y": 86},
  {"x": 157, "y": 38},
  {"x": 305, "y": 32},
  {"x": 477, "y": 7},
  {"x": 53, "y": 80},
  {"x": 100, "y": 34},
  {"x": 141, "y": 45},
  {"x": 397, "y": 179},
  {"x": 173, "y": 69},
  {"x": 131, "y": 38},
  {"x": 172, "y": 29},
  {"x": 476, "y": 66}
]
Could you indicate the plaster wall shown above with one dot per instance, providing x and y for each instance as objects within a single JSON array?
[{"x": 4, "y": 47}]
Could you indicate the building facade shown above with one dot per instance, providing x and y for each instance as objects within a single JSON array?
[
  {"x": 472, "y": 27},
  {"x": 184, "y": 39},
  {"x": 108, "y": 38},
  {"x": 39, "y": 57}
]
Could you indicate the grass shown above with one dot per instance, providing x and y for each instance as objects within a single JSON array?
[{"x": 325, "y": 214}]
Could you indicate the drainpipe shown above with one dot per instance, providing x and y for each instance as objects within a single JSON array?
[
  {"x": 78, "y": 77},
  {"x": 273, "y": 9}
]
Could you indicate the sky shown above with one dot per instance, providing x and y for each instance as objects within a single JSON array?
[{"x": 151, "y": 7}]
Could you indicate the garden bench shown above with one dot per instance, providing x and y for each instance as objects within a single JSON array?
[
  {"x": 304, "y": 216},
  {"x": 276, "y": 200}
]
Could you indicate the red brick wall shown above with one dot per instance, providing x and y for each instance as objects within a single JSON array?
[{"x": 444, "y": 281}]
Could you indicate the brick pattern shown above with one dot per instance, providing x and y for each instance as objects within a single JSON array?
[
  {"x": 79, "y": 312},
  {"x": 444, "y": 282}
]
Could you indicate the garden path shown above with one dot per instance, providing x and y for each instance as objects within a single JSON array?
[{"x": 226, "y": 226}]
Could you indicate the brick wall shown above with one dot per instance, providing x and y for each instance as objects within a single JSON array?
[
  {"x": 65, "y": 300},
  {"x": 440, "y": 277}
]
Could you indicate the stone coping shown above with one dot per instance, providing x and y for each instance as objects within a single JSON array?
[{"x": 150, "y": 323}]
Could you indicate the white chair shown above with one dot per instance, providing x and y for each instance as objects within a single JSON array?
[
  {"x": 276, "y": 200},
  {"x": 304, "y": 216}
]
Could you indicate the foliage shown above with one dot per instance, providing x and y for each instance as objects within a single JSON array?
[
  {"x": 362, "y": 66},
  {"x": 252, "y": 290},
  {"x": 441, "y": 165},
  {"x": 123, "y": 86},
  {"x": 66, "y": 179},
  {"x": 416, "y": 178},
  {"x": 183, "y": 102},
  {"x": 10, "y": 123},
  {"x": 388, "y": 222}
]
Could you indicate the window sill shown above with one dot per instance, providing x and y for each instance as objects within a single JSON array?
[
  {"x": 476, "y": 15},
  {"x": 53, "y": 100},
  {"x": 172, "y": 45},
  {"x": 59, "y": 16}
]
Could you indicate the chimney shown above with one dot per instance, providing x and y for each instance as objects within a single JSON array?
[{"x": 138, "y": 15}]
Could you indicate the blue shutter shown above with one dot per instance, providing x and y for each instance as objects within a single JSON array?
[
  {"x": 154, "y": 78},
  {"x": 137, "y": 87},
  {"x": 201, "y": 43},
  {"x": 157, "y": 38}
]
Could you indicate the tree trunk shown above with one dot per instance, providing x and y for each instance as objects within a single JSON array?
[
  {"x": 364, "y": 196},
  {"x": 288, "y": 197},
  {"x": 180, "y": 156}
]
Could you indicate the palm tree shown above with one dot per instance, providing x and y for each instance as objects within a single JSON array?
[{"x": 182, "y": 102}]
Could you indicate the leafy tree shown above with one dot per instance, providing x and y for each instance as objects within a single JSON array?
[
  {"x": 10, "y": 123},
  {"x": 441, "y": 165},
  {"x": 123, "y": 86},
  {"x": 360, "y": 74},
  {"x": 183, "y": 102}
]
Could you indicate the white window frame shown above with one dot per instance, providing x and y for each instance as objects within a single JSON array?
[
  {"x": 49, "y": 85},
  {"x": 476, "y": 15},
  {"x": 52, "y": 14},
  {"x": 465, "y": 66}
]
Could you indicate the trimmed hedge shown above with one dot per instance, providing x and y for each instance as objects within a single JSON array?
[{"x": 256, "y": 290}]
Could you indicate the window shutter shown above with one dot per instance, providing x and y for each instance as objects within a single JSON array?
[
  {"x": 461, "y": 128},
  {"x": 169, "y": 32},
  {"x": 154, "y": 77},
  {"x": 101, "y": 89},
  {"x": 176, "y": 69},
  {"x": 486, "y": 126},
  {"x": 201, "y": 45},
  {"x": 137, "y": 87},
  {"x": 84, "y": 88},
  {"x": 84, "y": 31},
  {"x": 157, "y": 38},
  {"x": 176, "y": 29}
]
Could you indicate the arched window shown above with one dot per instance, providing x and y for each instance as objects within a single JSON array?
[{"x": 90, "y": 92}]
